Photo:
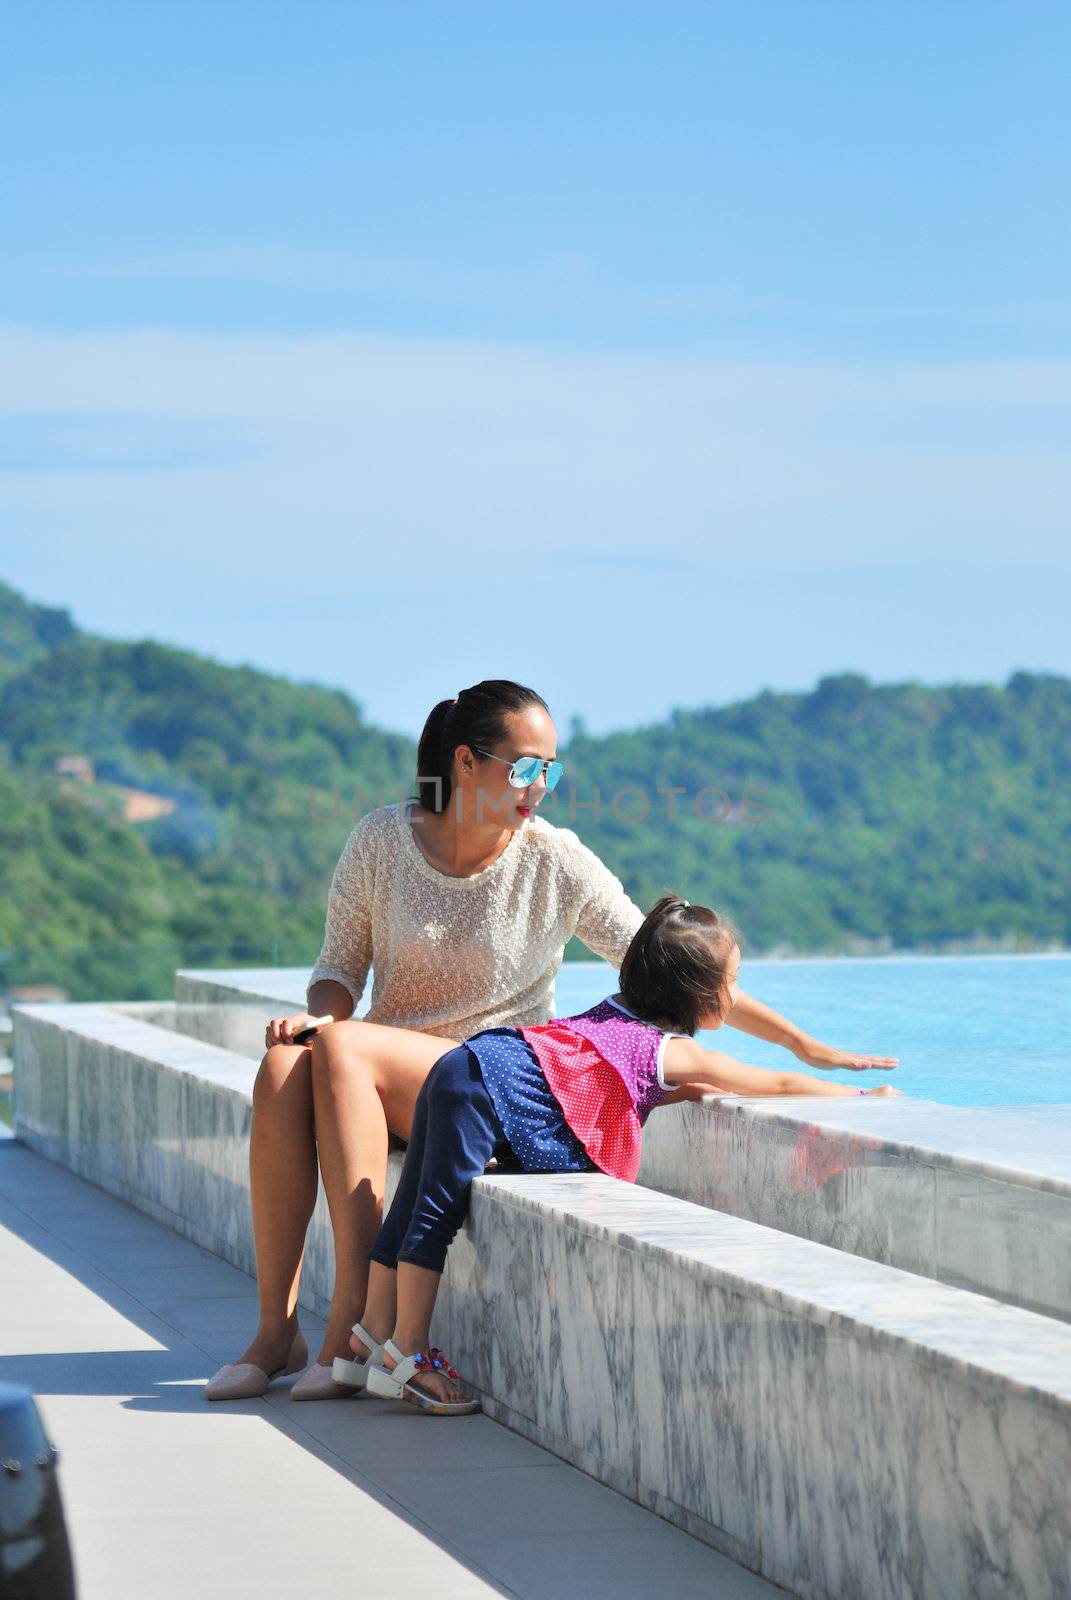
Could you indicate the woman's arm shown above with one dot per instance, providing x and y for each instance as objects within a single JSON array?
[
  {"x": 328, "y": 998},
  {"x": 607, "y": 919},
  {"x": 346, "y": 954},
  {"x": 751, "y": 1016},
  {"x": 687, "y": 1062}
]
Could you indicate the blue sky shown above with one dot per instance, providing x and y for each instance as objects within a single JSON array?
[{"x": 650, "y": 354}]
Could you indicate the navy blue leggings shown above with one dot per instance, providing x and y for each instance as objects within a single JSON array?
[{"x": 455, "y": 1130}]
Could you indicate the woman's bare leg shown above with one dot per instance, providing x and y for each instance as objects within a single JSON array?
[
  {"x": 282, "y": 1176},
  {"x": 365, "y": 1082}
]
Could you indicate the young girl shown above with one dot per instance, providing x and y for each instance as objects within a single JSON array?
[{"x": 570, "y": 1095}]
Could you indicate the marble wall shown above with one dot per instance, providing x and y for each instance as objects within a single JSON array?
[
  {"x": 233, "y": 1025},
  {"x": 980, "y": 1198},
  {"x": 152, "y": 1116},
  {"x": 160, "y": 1119},
  {"x": 843, "y": 1427}
]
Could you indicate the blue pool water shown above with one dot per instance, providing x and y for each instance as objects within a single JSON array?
[{"x": 969, "y": 1030}]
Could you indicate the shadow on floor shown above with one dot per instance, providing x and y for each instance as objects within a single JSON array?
[{"x": 521, "y": 1521}]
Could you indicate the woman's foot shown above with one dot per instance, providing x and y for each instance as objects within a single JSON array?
[
  {"x": 271, "y": 1347},
  {"x": 338, "y": 1337},
  {"x": 321, "y": 1383},
  {"x": 246, "y": 1380}
]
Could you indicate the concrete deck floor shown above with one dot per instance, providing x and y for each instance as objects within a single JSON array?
[{"x": 114, "y": 1322}]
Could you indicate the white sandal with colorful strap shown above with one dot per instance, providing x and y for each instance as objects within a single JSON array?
[
  {"x": 397, "y": 1382},
  {"x": 355, "y": 1373}
]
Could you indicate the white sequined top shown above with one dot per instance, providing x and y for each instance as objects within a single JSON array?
[{"x": 450, "y": 956}]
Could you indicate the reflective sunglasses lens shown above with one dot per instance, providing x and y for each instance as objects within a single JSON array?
[
  {"x": 525, "y": 771},
  {"x": 554, "y": 772}
]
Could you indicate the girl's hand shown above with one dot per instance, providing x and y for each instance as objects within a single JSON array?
[
  {"x": 693, "y": 1091},
  {"x": 816, "y": 1054},
  {"x": 883, "y": 1088},
  {"x": 281, "y": 1030}
]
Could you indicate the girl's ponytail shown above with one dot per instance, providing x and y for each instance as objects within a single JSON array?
[
  {"x": 665, "y": 905},
  {"x": 676, "y": 969}
]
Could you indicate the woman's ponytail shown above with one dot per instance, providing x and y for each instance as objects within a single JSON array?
[{"x": 433, "y": 765}]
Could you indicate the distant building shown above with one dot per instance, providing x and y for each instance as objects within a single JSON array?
[
  {"x": 138, "y": 805},
  {"x": 79, "y": 767}
]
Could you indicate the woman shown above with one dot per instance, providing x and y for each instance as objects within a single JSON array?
[{"x": 461, "y": 904}]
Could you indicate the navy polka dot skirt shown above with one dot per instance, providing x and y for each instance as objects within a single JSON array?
[{"x": 533, "y": 1121}]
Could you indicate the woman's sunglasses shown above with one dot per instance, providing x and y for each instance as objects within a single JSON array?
[{"x": 526, "y": 769}]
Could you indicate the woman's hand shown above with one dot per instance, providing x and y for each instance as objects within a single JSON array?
[
  {"x": 281, "y": 1030},
  {"x": 816, "y": 1054}
]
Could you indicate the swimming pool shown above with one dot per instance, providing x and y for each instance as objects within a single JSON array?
[{"x": 969, "y": 1030}]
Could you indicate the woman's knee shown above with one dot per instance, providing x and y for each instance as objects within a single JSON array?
[
  {"x": 338, "y": 1053},
  {"x": 283, "y": 1071}
]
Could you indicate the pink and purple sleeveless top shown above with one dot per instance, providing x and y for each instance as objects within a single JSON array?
[{"x": 603, "y": 1069}]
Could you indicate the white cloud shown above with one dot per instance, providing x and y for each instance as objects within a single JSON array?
[
  {"x": 481, "y": 450},
  {"x": 567, "y": 283}
]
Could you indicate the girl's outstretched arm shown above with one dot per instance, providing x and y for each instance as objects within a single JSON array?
[
  {"x": 751, "y": 1016},
  {"x": 687, "y": 1062}
]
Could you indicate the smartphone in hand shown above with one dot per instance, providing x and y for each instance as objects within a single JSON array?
[{"x": 310, "y": 1029}]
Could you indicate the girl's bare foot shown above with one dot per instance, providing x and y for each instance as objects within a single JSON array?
[{"x": 439, "y": 1382}]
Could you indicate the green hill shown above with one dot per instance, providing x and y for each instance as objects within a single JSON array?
[
  {"x": 262, "y": 775},
  {"x": 856, "y": 817},
  {"x": 28, "y": 632}
]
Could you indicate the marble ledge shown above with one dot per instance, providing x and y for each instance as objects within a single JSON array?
[
  {"x": 1022, "y": 1144},
  {"x": 895, "y": 1182},
  {"x": 269, "y": 986},
  {"x": 121, "y": 1028},
  {"x": 1035, "y": 1149},
  {"x": 839, "y": 1460},
  {"x": 971, "y": 1335}
]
